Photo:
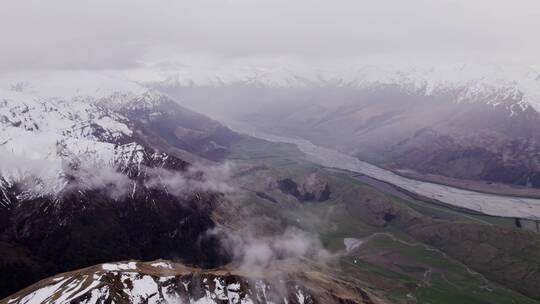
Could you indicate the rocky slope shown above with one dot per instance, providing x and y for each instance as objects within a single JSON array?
[
  {"x": 166, "y": 282},
  {"x": 313, "y": 188},
  {"x": 96, "y": 168}
]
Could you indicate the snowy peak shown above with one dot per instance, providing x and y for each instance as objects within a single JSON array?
[
  {"x": 470, "y": 83},
  {"x": 67, "y": 117}
]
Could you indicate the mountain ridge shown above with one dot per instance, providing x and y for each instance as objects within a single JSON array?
[
  {"x": 90, "y": 178},
  {"x": 468, "y": 82},
  {"x": 165, "y": 281}
]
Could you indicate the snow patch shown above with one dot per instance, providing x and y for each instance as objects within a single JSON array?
[
  {"x": 42, "y": 295},
  {"x": 119, "y": 267},
  {"x": 162, "y": 265}
]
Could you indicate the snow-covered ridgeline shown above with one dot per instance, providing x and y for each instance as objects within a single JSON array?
[
  {"x": 158, "y": 282},
  {"x": 472, "y": 82}
]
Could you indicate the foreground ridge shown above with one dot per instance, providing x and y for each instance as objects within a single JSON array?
[{"x": 163, "y": 281}]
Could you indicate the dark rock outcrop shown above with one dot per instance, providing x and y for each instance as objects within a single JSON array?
[
  {"x": 288, "y": 186},
  {"x": 313, "y": 188}
]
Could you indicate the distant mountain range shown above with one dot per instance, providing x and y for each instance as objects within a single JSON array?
[{"x": 463, "y": 122}]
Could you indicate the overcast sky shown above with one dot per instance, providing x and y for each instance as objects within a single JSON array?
[{"x": 101, "y": 34}]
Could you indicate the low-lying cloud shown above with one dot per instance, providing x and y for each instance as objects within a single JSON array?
[
  {"x": 259, "y": 253},
  {"x": 256, "y": 253},
  {"x": 44, "y": 177},
  {"x": 196, "y": 178}
]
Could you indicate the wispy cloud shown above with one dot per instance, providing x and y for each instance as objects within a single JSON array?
[
  {"x": 41, "y": 177},
  {"x": 256, "y": 253}
]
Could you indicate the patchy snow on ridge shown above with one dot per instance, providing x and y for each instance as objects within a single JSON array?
[
  {"x": 98, "y": 283},
  {"x": 120, "y": 266}
]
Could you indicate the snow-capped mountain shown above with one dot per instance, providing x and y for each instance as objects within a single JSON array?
[
  {"x": 54, "y": 131},
  {"x": 490, "y": 83},
  {"x": 87, "y": 149},
  {"x": 162, "y": 281},
  {"x": 51, "y": 121}
]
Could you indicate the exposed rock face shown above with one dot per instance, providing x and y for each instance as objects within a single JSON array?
[
  {"x": 77, "y": 228},
  {"x": 313, "y": 188},
  {"x": 168, "y": 126},
  {"x": 166, "y": 282}
]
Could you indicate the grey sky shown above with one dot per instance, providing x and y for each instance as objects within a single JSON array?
[{"x": 127, "y": 33}]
